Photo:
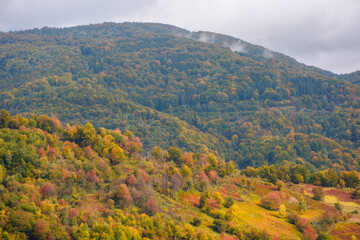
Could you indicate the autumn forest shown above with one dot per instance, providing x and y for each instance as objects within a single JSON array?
[{"x": 149, "y": 131}]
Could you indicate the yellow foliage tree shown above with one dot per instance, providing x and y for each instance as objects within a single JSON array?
[
  {"x": 217, "y": 196},
  {"x": 117, "y": 154},
  {"x": 282, "y": 211}
]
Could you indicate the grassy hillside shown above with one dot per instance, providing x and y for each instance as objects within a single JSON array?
[
  {"x": 78, "y": 182},
  {"x": 169, "y": 89}
]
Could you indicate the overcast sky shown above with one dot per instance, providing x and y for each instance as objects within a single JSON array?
[{"x": 323, "y": 33}]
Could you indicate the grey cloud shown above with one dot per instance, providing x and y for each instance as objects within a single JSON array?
[
  {"x": 206, "y": 38},
  {"x": 25, "y": 14},
  {"x": 324, "y": 33},
  {"x": 237, "y": 47}
]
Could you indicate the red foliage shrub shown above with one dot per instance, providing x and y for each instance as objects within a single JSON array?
[
  {"x": 211, "y": 204},
  {"x": 62, "y": 202},
  {"x": 144, "y": 175},
  {"x": 131, "y": 145},
  {"x": 191, "y": 199},
  {"x": 103, "y": 165},
  {"x": 213, "y": 176},
  {"x": 131, "y": 180},
  {"x": 73, "y": 213},
  {"x": 203, "y": 176},
  {"x": 123, "y": 195},
  {"x": 141, "y": 183},
  {"x": 204, "y": 181},
  {"x": 299, "y": 222},
  {"x": 89, "y": 153},
  {"x": 48, "y": 190},
  {"x": 136, "y": 195},
  {"x": 66, "y": 174},
  {"x": 80, "y": 174},
  {"x": 271, "y": 201},
  {"x": 151, "y": 206},
  {"x": 330, "y": 216},
  {"x": 51, "y": 153},
  {"x": 310, "y": 233},
  {"x": 188, "y": 159},
  {"x": 15, "y": 123},
  {"x": 41, "y": 152},
  {"x": 123, "y": 191},
  {"x": 23, "y": 128},
  {"x": 92, "y": 176},
  {"x": 262, "y": 189},
  {"x": 42, "y": 229},
  {"x": 177, "y": 182}
]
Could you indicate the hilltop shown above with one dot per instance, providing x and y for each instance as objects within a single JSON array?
[{"x": 224, "y": 96}]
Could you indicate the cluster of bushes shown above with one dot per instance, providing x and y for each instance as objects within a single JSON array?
[
  {"x": 297, "y": 173},
  {"x": 71, "y": 182}
]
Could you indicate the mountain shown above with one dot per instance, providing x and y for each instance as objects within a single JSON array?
[
  {"x": 245, "y": 48},
  {"x": 199, "y": 91},
  {"x": 171, "y": 134}
]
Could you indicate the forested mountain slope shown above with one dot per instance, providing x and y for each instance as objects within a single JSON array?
[
  {"x": 78, "y": 182},
  {"x": 352, "y": 77},
  {"x": 251, "y": 105}
]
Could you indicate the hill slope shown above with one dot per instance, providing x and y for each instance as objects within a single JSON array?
[
  {"x": 169, "y": 89},
  {"x": 351, "y": 77},
  {"x": 78, "y": 182}
]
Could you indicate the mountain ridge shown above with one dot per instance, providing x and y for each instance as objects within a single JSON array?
[
  {"x": 353, "y": 77},
  {"x": 233, "y": 43}
]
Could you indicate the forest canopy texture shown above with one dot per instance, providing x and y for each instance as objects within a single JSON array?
[{"x": 139, "y": 130}]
